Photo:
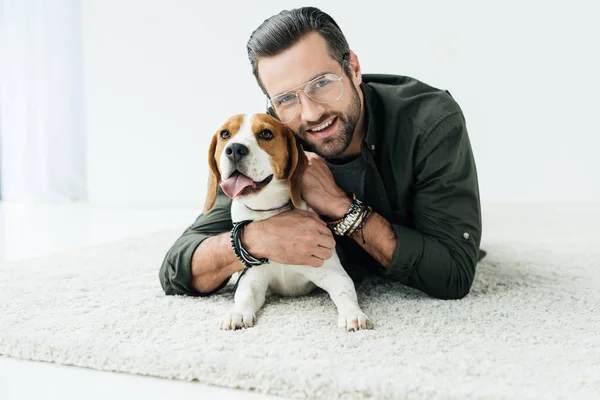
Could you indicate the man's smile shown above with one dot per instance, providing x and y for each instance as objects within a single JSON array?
[{"x": 324, "y": 129}]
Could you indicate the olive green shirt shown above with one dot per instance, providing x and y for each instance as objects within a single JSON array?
[{"x": 421, "y": 176}]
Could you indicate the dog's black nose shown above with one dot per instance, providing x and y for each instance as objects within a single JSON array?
[{"x": 236, "y": 151}]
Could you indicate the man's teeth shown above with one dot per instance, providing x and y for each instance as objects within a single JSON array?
[{"x": 321, "y": 127}]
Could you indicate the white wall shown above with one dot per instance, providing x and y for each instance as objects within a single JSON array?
[
  {"x": 42, "y": 142},
  {"x": 161, "y": 77}
]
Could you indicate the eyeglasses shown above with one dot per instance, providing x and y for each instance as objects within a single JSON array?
[{"x": 325, "y": 89}]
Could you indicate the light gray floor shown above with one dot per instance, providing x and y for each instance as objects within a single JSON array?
[{"x": 37, "y": 230}]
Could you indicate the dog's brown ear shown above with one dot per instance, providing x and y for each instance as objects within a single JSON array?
[
  {"x": 214, "y": 176},
  {"x": 298, "y": 163}
]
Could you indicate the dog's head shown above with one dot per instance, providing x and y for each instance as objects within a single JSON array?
[{"x": 253, "y": 154}]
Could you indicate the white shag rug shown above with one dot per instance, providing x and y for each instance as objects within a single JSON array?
[{"x": 530, "y": 328}]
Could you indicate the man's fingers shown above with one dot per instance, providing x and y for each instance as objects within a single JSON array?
[
  {"x": 323, "y": 253},
  {"x": 324, "y": 230},
  {"x": 326, "y": 241},
  {"x": 312, "y": 156},
  {"x": 315, "y": 262}
]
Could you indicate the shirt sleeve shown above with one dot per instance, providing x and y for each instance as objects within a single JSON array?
[
  {"x": 440, "y": 254},
  {"x": 175, "y": 274}
]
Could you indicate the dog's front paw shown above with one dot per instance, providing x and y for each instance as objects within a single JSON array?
[
  {"x": 236, "y": 320},
  {"x": 354, "y": 321}
]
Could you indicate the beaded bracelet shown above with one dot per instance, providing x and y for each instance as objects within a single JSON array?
[{"x": 353, "y": 220}]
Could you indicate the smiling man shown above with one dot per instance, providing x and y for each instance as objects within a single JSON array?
[{"x": 390, "y": 169}]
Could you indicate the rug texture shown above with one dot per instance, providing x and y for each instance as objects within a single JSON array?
[{"x": 530, "y": 328}]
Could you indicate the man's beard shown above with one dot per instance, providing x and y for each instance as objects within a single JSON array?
[{"x": 335, "y": 145}]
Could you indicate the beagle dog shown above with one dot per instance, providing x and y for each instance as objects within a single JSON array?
[{"x": 257, "y": 162}]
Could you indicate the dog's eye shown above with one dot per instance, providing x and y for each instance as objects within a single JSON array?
[
  {"x": 225, "y": 134},
  {"x": 265, "y": 134}
]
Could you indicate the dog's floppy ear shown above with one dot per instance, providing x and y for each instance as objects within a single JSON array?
[
  {"x": 298, "y": 163},
  {"x": 214, "y": 176}
]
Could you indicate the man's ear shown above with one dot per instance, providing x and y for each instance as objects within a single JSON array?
[
  {"x": 355, "y": 68},
  {"x": 214, "y": 176},
  {"x": 298, "y": 163}
]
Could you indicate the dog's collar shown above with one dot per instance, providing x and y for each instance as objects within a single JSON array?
[{"x": 288, "y": 204}]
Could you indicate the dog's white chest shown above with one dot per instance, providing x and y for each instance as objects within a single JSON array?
[
  {"x": 289, "y": 280},
  {"x": 284, "y": 280}
]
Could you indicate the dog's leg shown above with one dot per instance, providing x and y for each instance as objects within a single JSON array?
[
  {"x": 249, "y": 298},
  {"x": 339, "y": 285}
]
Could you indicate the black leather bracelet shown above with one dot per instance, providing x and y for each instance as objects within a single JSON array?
[{"x": 241, "y": 253}]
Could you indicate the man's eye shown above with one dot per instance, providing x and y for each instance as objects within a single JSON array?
[
  {"x": 265, "y": 134},
  {"x": 285, "y": 99},
  {"x": 225, "y": 134},
  {"x": 322, "y": 83}
]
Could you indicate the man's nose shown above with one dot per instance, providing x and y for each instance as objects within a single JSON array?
[
  {"x": 236, "y": 152},
  {"x": 309, "y": 110}
]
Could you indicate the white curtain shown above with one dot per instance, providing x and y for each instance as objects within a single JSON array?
[{"x": 42, "y": 142}]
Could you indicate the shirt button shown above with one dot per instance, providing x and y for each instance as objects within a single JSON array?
[
  {"x": 466, "y": 235},
  {"x": 373, "y": 147}
]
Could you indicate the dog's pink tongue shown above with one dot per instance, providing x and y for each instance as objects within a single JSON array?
[{"x": 234, "y": 185}]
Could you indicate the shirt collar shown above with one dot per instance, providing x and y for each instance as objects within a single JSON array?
[{"x": 372, "y": 103}]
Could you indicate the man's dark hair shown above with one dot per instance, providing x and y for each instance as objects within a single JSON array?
[{"x": 283, "y": 30}]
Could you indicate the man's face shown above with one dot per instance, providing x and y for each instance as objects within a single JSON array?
[{"x": 290, "y": 71}]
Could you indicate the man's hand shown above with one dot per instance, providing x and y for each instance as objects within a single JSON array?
[
  {"x": 294, "y": 237},
  {"x": 320, "y": 191}
]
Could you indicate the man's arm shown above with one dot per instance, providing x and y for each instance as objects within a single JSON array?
[
  {"x": 202, "y": 261},
  {"x": 377, "y": 237},
  {"x": 213, "y": 263},
  {"x": 199, "y": 263},
  {"x": 439, "y": 256}
]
